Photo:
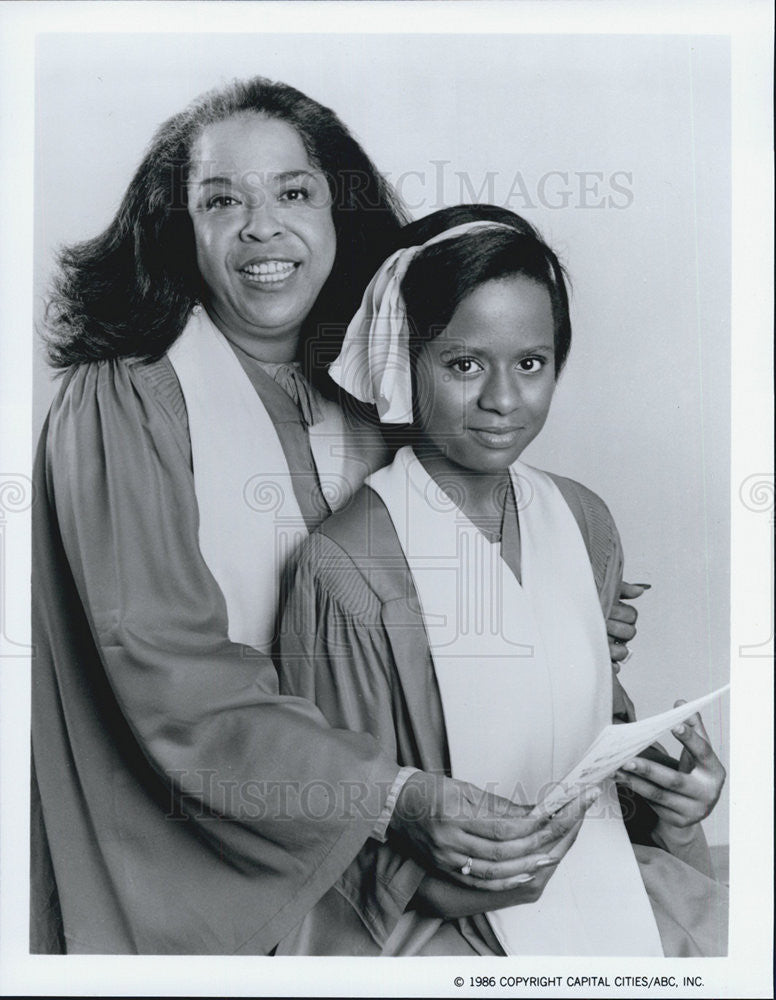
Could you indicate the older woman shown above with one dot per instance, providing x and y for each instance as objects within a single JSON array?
[{"x": 180, "y": 803}]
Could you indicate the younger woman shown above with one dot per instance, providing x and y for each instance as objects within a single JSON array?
[{"x": 455, "y": 610}]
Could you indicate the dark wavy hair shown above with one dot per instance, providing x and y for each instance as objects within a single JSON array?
[
  {"x": 442, "y": 275},
  {"x": 129, "y": 291}
]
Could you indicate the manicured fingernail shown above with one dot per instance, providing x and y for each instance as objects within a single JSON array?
[
  {"x": 547, "y": 862},
  {"x": 646, "y": 586},
  {"x": 680, "y": 730},
  {"x": 522, "y": 879},
  {"x": 632, "y": 765}
]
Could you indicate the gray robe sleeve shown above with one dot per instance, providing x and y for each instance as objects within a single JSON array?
[{"x": 336, "y": 652}]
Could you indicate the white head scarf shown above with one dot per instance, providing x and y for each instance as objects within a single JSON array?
[{"x": 374, "y": 362}]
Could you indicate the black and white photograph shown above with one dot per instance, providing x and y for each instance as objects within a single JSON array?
[{"x": 387, "y": 445}]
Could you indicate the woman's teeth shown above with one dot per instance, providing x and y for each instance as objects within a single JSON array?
[{"x": 268, "y": 271}]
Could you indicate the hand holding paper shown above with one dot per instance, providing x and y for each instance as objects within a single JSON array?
[
  {"x": 617, "y": 745},
  {"x": 683, "y": 792}
]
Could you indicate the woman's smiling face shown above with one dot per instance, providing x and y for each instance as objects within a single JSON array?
[
  {"x": 485, "y": 384},
  {"x": 264, "y": 232}
]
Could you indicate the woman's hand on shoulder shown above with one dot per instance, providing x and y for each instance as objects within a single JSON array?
[
  {"x": 621, "y": 623},
  {"x": 481, "y": 840},
  {"x": 684, "y": 794}
]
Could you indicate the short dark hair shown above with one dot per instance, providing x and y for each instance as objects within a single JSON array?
[
  {"x": 129, "y": 291},
  {"x": 442, "y": 275}
]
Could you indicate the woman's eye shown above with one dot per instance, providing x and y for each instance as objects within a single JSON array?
[
  {"x": 531, "y": 365},
  {"x": 465, "y": 366},
  {"x": 295, "y": 194},
  {"x": 222, "y": 201}
]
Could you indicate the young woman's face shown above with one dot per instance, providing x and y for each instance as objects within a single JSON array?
[
  {"x": 264, "y": 231},
  {"x": 485, "y": 384}
]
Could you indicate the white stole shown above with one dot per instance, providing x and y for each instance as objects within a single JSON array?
[
  {"x": 525, "y": 681},
  {"x": 249, "y": 519}
]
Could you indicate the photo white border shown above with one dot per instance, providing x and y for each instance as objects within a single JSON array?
[{"x": 748, "y": 969}]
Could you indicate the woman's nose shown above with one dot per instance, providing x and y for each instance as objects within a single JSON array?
[
  {"x": 500, "y": 393},
  {"x": 261, "y": 222}
]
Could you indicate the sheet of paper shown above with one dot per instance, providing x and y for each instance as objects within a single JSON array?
[{"x": 614, "y": 746}]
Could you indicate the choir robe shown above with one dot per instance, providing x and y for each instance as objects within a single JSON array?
[
  {"x": 353, "y": 641},
  {"x": 180, "y": 803}
]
